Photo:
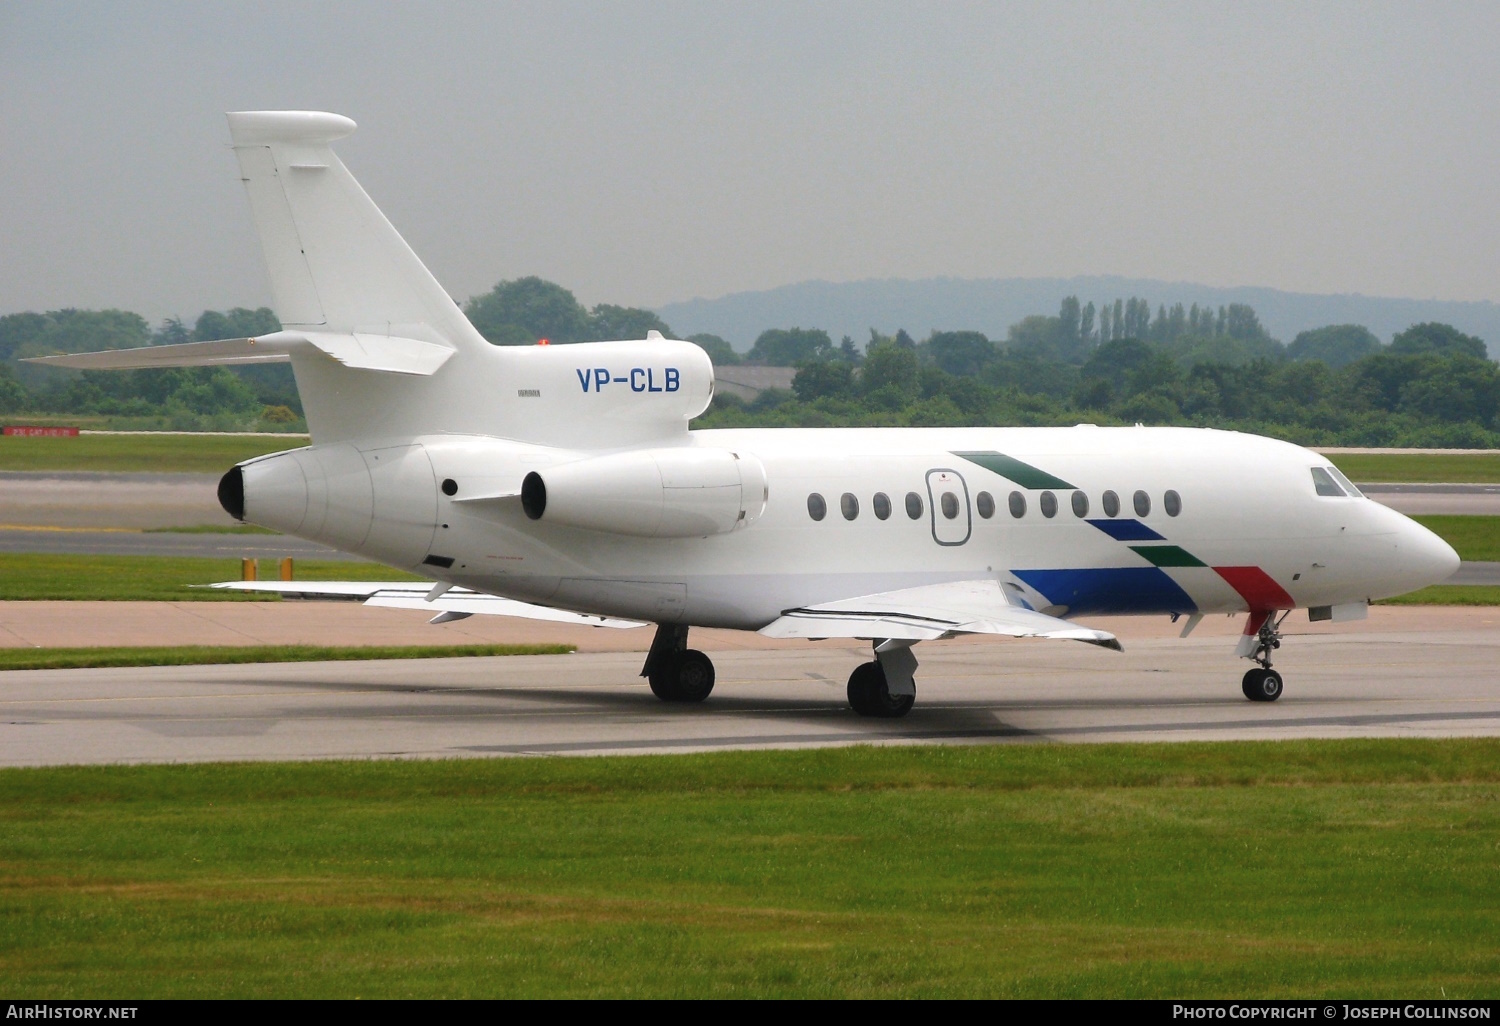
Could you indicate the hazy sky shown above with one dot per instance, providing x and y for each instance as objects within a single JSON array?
[{"x": 652, "y": 152}]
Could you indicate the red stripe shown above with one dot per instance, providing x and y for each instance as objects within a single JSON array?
[{"x": 1256, "y": 587}]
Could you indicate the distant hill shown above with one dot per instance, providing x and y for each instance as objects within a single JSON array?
[{"x": 993, "y": 305}]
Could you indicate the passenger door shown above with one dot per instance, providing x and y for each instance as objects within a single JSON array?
[{"x": 948, "y": 495}]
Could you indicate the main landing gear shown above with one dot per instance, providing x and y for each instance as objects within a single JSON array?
[
  {"x": 677, "y": 673},
  {"x": 884, "y": 688},
  {"x": 1263, "y": 684}
]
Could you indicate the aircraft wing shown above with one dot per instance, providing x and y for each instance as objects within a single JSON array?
[
  {"x": 930, "y": 611},
  {"x": 449, "y": 604}
]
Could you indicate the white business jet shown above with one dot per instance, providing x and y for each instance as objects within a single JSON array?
[{"x": 563, "y": 483}]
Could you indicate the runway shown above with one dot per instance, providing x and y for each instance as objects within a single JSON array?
[{"x": 1406, "y": 673}]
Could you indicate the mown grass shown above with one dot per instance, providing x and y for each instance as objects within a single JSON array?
[
  {"x": 186, "y": 655},
  {"x": 1474, "y": 538},
  {"x": 145, "y": 578},
  {"x": 1448, "y": 595},
  {"x": 1194, "y": 870},
  {"x": 142, "y": 453},
  {"x": 1480, "y": 468}
]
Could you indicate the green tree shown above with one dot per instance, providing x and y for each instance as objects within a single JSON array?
[
  {"x": 818, "y": 379},
  {"x": 1337, "y": 345},
  {"x": 236, "y": 323},
  {"x": 523, "y": 311},
  {"x": 789, "y": 347},
  {"x": 960, "y": 352},
  {"x": 1115, "y": 361},
  {"x": 1432, "y": 337},
  {"x": 720, "y": 352},
  {"x": 890, "y": 378},
  {"x": 13, "y": 397},
  {"x": 617, "y": 323}
]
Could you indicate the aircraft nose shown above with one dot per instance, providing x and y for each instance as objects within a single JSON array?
[{"x": 1424, "y": 556}]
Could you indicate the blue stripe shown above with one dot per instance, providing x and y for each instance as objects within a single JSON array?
[
  {"x": 1136, "y": 589},
  {"x": 1127, "y": 530}
]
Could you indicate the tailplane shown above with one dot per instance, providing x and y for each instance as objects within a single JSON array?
[{"x": 379, "y": 348}]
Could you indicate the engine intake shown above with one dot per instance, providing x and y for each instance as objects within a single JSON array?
[{"x": 652, "y": 493}]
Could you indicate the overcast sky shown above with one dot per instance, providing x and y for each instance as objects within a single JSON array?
[{"x": 646, "y": 153}]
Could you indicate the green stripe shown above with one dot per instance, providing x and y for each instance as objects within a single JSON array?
[
  {"x": 1167, "y": 555},
  {"x": 1023, "y": 474}
]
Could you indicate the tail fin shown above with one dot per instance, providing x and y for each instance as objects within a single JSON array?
[{"x": 335, "y": 263}]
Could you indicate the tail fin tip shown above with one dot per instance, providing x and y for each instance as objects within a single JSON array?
[{"x": 262, "y": 127}]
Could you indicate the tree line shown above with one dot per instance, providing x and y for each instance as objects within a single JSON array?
[{"x": 1116, "y": 362}]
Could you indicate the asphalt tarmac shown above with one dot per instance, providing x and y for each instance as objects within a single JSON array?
[{"x": 1406, "y": 672}]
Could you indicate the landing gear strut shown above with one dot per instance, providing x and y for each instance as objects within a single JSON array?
[
  {"x": 1263, "y": 684},
  {"x": 677, "y": 673},
  {"x": 884, "y": 688}
]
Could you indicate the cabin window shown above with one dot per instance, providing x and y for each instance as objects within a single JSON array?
[
  {"x": 816, "y": 507},
  {"x": 1049, "y": 505},
  {"x": 1325, "y": 484},
  {"x": 882, "y": 506},
  {"x": 849, "y": 505},
  {"x": 1172, "y": 503},
  {"x": 1347, "y": 484},
  {"x": 949, "y": 502},
  {"x": 1017, "y": 505},
  {"x": 914, "y": 505},
  {"x": 1111, "y": 503},
  {"x": 985, "y": 503},
  {"x": 1142, "y": 503},
  {"x": 1080, "y": 504}
]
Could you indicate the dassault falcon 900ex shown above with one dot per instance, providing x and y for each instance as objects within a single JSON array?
[{"x": 563, "y": 483}]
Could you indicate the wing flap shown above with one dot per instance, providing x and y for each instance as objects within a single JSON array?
[{"x": 930, "y": 611}]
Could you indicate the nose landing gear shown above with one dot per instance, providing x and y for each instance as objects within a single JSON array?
[{"x": 1263, "y": 684}]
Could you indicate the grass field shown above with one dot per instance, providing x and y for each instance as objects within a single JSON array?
[
  {"x": 146, "y": 578},
  {"x": 1481, "y": 468},
  {"x": 1290, "y": 869},
  {"x": 1474, "y": 538},
  {"x": 185, "y": 655},
  {"x": 1448, "y": 595},
  {"x": 143, "y": 453}
]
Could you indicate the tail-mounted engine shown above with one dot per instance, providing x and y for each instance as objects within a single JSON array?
[{"x": 651, "y": 493}]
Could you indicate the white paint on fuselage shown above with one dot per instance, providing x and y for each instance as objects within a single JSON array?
[{"x": 1247, "y": 501}]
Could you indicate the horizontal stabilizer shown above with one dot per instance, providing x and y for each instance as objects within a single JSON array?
[
  {"x": 931, "y": 611},
  {"x": 225, "y": 351},
  {"x": 368, "y": 352},
  {"x": 418, "y": 595}
]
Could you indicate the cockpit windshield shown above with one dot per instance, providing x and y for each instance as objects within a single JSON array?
[
  {"x": 1328, "y": 481},
  {"x": 1347, "y": 484}
]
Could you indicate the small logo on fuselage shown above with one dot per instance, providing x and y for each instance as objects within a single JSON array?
[{"x": 640, "y": 379}]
